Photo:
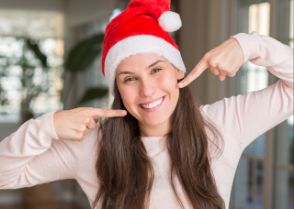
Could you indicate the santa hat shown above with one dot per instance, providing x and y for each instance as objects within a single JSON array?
[{"x": 142, "y": 28}]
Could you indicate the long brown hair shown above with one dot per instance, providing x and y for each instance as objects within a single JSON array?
[{"x": 125, "y": 172}]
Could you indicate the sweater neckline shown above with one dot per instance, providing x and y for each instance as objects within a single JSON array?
[{"x": 154, "y": 144}]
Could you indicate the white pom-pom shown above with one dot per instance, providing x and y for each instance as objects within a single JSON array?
[{"x": 170, "y": 21}]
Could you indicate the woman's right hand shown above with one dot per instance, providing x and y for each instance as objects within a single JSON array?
[
  {"x": 74, "y": 124},
  {"x": 224, "y": 60}
]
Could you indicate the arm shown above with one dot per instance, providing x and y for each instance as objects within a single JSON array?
[
  {"x": 50, "y": 147},
  {"x": 245, "y": 117},
  {"x": 34, "y": 155}
]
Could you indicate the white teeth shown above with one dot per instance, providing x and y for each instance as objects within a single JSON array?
[{"x": 153, "y": 104}]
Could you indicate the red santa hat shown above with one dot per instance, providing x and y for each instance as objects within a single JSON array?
[{"x": 142, "y": 28}]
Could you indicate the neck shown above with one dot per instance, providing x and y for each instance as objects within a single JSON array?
[{"x": 155, "y": 130}]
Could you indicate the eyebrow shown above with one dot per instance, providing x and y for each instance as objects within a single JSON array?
[
  {"x": 151, "y": 65},
  {"x": 155, "y": 63}
]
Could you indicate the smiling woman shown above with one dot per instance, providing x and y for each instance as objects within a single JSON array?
[
  {"x": 137, "y": 160},
  {"x": 150, "y": 95},
  {"x": 155, "y": 148}
]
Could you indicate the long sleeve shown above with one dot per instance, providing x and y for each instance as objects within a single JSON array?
[
  {"x": 34, "y": 155},
  {"x": 243, "y": 118}
]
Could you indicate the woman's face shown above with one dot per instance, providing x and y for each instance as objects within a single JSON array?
[{"x": 148, "y": 87}]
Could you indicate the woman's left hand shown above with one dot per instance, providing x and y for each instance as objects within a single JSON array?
[{"x": 224, "y": 60}]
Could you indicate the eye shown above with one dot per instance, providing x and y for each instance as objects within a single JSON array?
[
  {"x": 129, "y": 79},
  {"x": 156, "y": 70}
]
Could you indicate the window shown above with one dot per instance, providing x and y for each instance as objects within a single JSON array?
[
  {"x": 23, "y": 77},
  {"x": 264, "y": 178}
]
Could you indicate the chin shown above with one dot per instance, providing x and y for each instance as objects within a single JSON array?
[{"x": 154, "y": 121}]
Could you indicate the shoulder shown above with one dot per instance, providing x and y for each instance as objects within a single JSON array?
[
  {"x": 224, "y": 113},
  {"x": 214, "y": 113},
  {"x": 213, "y": 129}
]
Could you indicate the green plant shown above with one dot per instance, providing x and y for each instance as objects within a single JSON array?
[{"x": 81, "y": 57}]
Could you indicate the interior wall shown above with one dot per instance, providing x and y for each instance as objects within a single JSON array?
[
  {"x": 77, "y": 11},
  {"x": 51, "y": 5},
  {"x": 206, "y": 23},
  {"x": 83, "y": 19},
  {"x": 80, "y": 12}
]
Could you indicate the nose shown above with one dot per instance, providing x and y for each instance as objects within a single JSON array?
[{"x": 147, "y": 87}]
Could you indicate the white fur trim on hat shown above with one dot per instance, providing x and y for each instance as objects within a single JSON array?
[{"x": 136, "y": 45}]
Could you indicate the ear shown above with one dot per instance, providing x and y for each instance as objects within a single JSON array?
[{"x": 179, "y": 74}]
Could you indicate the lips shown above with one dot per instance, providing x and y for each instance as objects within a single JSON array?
[{"x": 153, "y": 104}]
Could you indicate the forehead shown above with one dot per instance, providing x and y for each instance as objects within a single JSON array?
[{"x": 139, "y": 61}]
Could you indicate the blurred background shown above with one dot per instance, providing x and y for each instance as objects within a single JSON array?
[{"x": 50, "y": 59}]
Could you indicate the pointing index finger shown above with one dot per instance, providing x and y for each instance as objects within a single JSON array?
[
  {"x": 195, "y": 73},
  {"x": 108, "y": 113}
]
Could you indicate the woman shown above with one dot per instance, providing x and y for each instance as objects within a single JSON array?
[{"x": 156, "y": 148}]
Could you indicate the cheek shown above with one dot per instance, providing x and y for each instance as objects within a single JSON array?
[
  {"x": 128, "y": 97},
  {"x": 168, "y": 82}
]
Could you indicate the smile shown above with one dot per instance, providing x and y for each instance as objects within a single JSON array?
[{"x": 151, "y": 106}]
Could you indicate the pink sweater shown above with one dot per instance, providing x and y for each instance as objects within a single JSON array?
[{"x": 34, "y": 154}]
